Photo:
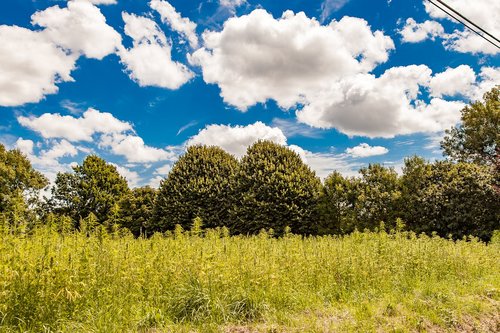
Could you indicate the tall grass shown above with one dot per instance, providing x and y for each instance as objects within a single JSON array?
[{"x": 214, "y": 283}]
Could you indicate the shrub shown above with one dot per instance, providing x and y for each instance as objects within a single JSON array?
[
  {"x": 274, "y": 189},
  {"x": 199, "y": 185}
]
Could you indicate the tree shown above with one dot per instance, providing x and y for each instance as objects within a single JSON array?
[
  {"x": 377, "y": 197},
  {"x": 457, "y": 199},
  {"x": 136, "y": 211},
  {"x": 477, "y": 138},
  {"x": 199, "y": 185},
  {"x": 274, "y": 189},
  {"x": 337, "y": 204},
  {"x": 94, "y": 187},
  {"x": 19, "y": 185}
]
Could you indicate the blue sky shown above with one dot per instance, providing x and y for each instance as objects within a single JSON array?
[{"x": 343, "y": 83}]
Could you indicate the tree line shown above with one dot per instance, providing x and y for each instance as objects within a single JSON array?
[{"x": 272, "y": 188}]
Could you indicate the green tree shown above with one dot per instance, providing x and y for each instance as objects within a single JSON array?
[
  {"x": 377, "y": 197},
  {"x": 457, "y": 199},
  {"x": 477, "y": 138},
  {"x": 337, "y": 204},
  {"x": 94, "y": 187},
  {"x": 136, "y": 211},
  {"x": 19, "y": 186},
  {"x": 274, "y": 189},
  {"x": 199, "y": 185}
]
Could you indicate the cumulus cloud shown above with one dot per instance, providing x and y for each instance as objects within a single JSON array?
[
  {"x": 365, "y": 150},
  {"x": 384, "y": 106},
  {"x": 48, "y": 161},
  {"x": 30, "y": 66},
  {"x": 180, "y": 24},
  {"x": 256, "y": 57},
  {"x": 54, "y": 125},
  {"x": 453, "y": 81},
  {"x": 25, "y": 146},
  {"x": 80, "y": 28},
  {"x": 414, "y": 32},
  {"x": 149, "y": 61},
  {"x": 484, "y": 13},
  {"x": 132, "y": 177},
  {"x": 236, "y": 139},
  {"x": 133, "y": 148}
]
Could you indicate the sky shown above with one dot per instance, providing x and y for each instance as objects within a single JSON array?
[{"x": 344, "y": 83}]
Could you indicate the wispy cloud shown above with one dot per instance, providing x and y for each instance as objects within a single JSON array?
[
  {"x": 188, "y": 125},
  {"x": 292, "y": 128},
  {"x": 330, "y": 6}
]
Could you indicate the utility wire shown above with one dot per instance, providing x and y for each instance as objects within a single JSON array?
[
  {"x": 469, "y": 21},
  {"x": 465, "y": 24}
]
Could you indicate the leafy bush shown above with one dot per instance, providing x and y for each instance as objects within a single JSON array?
[
  {"x": 199, "y": 185},
  {"x": 274, "y": 189}
]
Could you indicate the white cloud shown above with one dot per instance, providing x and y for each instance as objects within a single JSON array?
[
  {"x": 81, "y": 28},
  {"x": 453, "y": 81},
  {"x": 236, "y": 139},
  {"x": 414, "y": 32},
  {"x": 180, "y": 24},
  {"x": 325, "y": 163},
  {"x": 25, "y": 146},
  {"x": 134, "y": 149},
  {"x": 256, "y": 57},
  {"x": 149, "y": 61},
  {"x": 232, "y": 3},
  {"x": 30, "y": 66},
  {"x": 163, "y": 170},
  {"x": 47, "y": 161},
  {"x": 132, "y": 177},
  {"x": 484, "y": 13},
  {"x": 330, "y": 6},
  {"x": 155, "y": 181},
  {"x": 100, "y": 2},
  {"x": 386, "y": 106},
  {"x": 490, "y": 77},
  {"x": 61, "y": 149},
  {"x": 365, "y": 150},
  {"x": 74, "y": 129}
]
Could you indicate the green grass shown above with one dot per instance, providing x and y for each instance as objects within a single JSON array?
[{"x": 185, "y": 283}]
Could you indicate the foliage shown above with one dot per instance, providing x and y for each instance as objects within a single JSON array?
[
  {"x": 362, "y": 282},
  {"x": 94, "y": 187},
  {"x": 19, "y": 186},
  {"x": 457, "y": 199},
  {"x": 337, "y": 204},
  {"x": 274, "y": 189},
  {"x": 477, "y": 138},
  {"x": 136, "y": 211},
  {"x": 199, "y": 185},
  {"x": 377, "y": 197}
]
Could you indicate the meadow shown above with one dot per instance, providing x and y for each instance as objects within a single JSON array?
[{"x": 213, "y": 282}]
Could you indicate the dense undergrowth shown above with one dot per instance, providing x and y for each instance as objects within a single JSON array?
[{"x": 189, "y": 282}]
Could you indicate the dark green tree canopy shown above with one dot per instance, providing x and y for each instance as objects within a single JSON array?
[
  {"x": 377, "y": 197},
  {"x": 19, "y": 183},
  {"x": 457, "y": 199},
  {"x": 136, "y": 211},
  {"x": 477, "y": 138},
  {"x": 94, "y": 187},
  {"x": 337, "y": 204},
  {"x": 199, "y": 185},
  {"x": 274, "y": 189}
]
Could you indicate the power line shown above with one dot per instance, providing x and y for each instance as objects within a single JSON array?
[{"x": 465, "y": 24}]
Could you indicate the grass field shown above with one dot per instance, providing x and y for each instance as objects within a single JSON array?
[{"x": 363, "y": 282}]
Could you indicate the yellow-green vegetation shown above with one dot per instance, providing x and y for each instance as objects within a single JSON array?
[{"x": 189, "y": 282}]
